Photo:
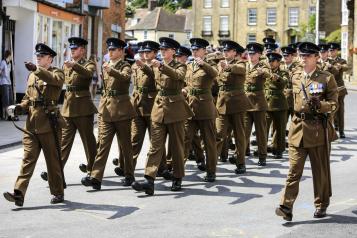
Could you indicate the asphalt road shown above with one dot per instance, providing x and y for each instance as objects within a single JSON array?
[{"x": 233, "y": 206}]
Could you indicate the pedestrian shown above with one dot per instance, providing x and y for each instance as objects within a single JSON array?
[
  {"x": 311, "y": 132},
  {"x": 6, "y": 85},
  {"x": 44, "y": 87},
  {"x": 95, "y": 79}
]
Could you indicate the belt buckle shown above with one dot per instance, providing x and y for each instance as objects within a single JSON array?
[{"x": 302, "y": 116}]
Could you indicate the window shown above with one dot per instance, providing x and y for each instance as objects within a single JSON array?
[
  {"x": 171, "y": 35},
  {"x": 293, "y": 16},
  {"x": 145, "y": 35},
  {"x": 207, "y": 23},
  {"x": 252, "y": 16},
  {"x": 271, "y": 16},
  {"x": 312, "y": 10},
  {"x": 57, "y": 44},
  {"x": 224, "y": 3},
  {"x": 207, "y": 3},
  {"x": 224, "y": 23},
  {"x": 251, "y": 38}
]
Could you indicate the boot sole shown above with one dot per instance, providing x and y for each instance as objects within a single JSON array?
[
  {"x": 10, "y": 198},
  {"x": 280, "y": 213}
]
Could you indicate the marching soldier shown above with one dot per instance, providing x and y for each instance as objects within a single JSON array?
[
  {"x": 168, "y": 116},
  {"x": 78, "y": 109},
  {"x": 257, "y": 73},
  {"x": 325, "y": 63},
  {"x": 277, "y": 103},
  {"x": 116, "y": 112},
  {"x": 232, "y": 103},
  {"x": 311, "y": 132},
  {"x": 199, "y": 79},
  {"x": 42, "y": 128},
  {"x": 341, "y": 66}
]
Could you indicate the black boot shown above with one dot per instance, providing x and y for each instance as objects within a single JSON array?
[
  {"x": 15, "y": 197},
  {"x": 262, "y": 162},
  {"x": 57, "y": 199},
  {"x": 284, "y": 212},
  {"x": 223, "y": 159},
  {"x": 255, "y": 153},
  {"x": 210, "y": 177},
  {"x": 119, "y": 171},
  {"x": 232, "y": 159},
  {"x": 146, "y": 186},
  {"x": 90, "y": 181},
  {"x": 232, "y": 146},
  {"x": 320, "y": 213},
  {"x": 127, "y": 181},
  {"x": 254, "y": 143},
  {"x": 83, "y": 168},
  {"x": 115, "y": 161},
  {"x": 176, "y": 184},
  {"x": 240, "y": 169},
  {"x": 44, "y": 176},
  {"x": 192, "y": 156},
  {"x": 278, "y": 155},
  {"x": 166, "y": 174},
  {"x": 342, "y": 135},
  {"x": 201, "y": 165}
]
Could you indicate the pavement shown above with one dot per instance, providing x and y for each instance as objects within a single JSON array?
[{"x": 233, "y": 206}]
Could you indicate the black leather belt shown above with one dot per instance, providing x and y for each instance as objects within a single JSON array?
[
  {"x": 168, "y": 92},
  {"x": 72, "y": 88},
  {"x": 253, "y": 88},
  {"x": 41, "y": 103},
  {"x": 198, "y": 91},
  {"x": 308, "y": 116},
  {"x": 273, "y": 92},
  {"x": 228, "y": 88},
  {"x": 114, "y": 93},
  {"x": 144, "y": 89}
]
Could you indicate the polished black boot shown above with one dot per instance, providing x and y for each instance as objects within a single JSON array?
[
  {"x": 223, "y": 159},
  {"x": 44, "y": 176},
  {"x": 320, "y": 213},
  {"x": 15, "y": 197},
  {"x": 146, "y": 186},
  {"x": 176, "y": 184},
  {"x": 166, "y": 174},
  {"x": 83, "y": 168},
  {"x": 210, "y": 177},
  {"x": 89, "y": 181},
  {"x": 115, "y": 161},
  {"x": 201, "y": 165},
  {"x": 57, "y": 199},
  {"x": 127, "y": 181},
  {"x": 278, "y": 155},
  {"x": 262, "y": 162},
  {"x": 342, "y": 135},
  {"x": 232, "y": 159},
  {"x": 192, "y": 156},
  {"x": 284, "y": 212},
  {"x": 119, "y": 171},
  {"x": 240, "y": 169}
]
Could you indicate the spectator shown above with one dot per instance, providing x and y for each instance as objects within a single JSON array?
[
  {"x": 5, "y": 84},
  {"x": 95, "y": 79}
]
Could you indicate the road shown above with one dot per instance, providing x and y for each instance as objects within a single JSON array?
[{"x": 233, "y": 206}]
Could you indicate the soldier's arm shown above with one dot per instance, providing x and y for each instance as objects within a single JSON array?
[
  {"x": 86, "y": 70},
  {"x": 124, "y": 74},
  {"x": 209, "y": 69},
  {"x": 344, "y": 66},
  {"x": 333, "y": 70},
  {"x": 238, "y": 69},
  {"x": 330, "y": 103},
  {"x": 54, "y": 78},
  {"x": 148, "y": 71},
  {"x": 178, "y": 73}
]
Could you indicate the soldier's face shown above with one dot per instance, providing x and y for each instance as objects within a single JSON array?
[
  {"x": 149, "y": 55},
  {"x": 198, "y": 53},
  {"x": 274, "y": 64},
  {"x": 115, "y": 54},
  {"x": 309, "y": 59},
  {"x": 182, "y": 59},
  {"x": 254, "y": 58},
  {"x": 333, "y": 53},
  {"x": 229, "y": 54},
  {"x": 288, "y": 59},
  {"x": 77, "y": 53},
  {"x": 324, "y": 55},
  {"x": 167, "y": 53},
  {"x": 44, "y": 60}
]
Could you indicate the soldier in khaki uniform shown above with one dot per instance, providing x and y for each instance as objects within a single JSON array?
[
  {"x": 44, "y": 86},
  {"x": 168, "y": 116},
  {"x": 311, "y": 132},
  {"x": 257, "y": 73},
  {"x": 232, "y": 103},
  {"x": 199, "y": 79},
  {"x": 325, "y": 63},
  {"x": 277, "y": 103},
  {"x": 78, "y": 109},
  {"x": 116, "y": 112},
  {"x": 341, "y": 66}
]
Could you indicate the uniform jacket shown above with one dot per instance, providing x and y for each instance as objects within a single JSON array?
[
  {"x": 79, "y": 103},
  {"x": 116, "y": 107},
  {"x": 274, "y": 90},
  {"x": 49, "y": 83},
  {"x": 144, "y": 89},
  {"x": 201, "y": 78},
  {"x": 257, "y": 81},
  {"x": 233, "y": 77},
  {"x": 170, "y": 108},
  {"x": 311, "y": 132},
  {"x": 295, "y": 65},
  {"x": 339, "y": 77}
]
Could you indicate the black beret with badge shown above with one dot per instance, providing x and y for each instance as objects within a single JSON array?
[
  {"x": 269, "y": 40},
  {"x": 75, "y": 42},
  {"x": 271, "y": 47},
  {"x": 254, "y": 47},
  {"x": 287, "y": 50},
  {"x": 140, "y": 47},
  {"x": 183, "y": 51},
  {"x": 334, "y": 46},
  {"x": 115, "y": 43},
  {"x": 197, "y": 43},
  {"x": 274, "y": 56},
  {"x": 229, "y": 45},
  {"x": 323, "y": 47},
  {"x": 43, "y": 49},
  {"x": 308, "y": 48},
  {"x": 168, "y": 43},
  {"x": 150, "y": 46}
]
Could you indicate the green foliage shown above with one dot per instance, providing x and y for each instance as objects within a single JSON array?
[
  {"x": 306, "y": 32},
  {"x": 170, "y": 5},
  {"x": 334, "y": 36},
  {"x": 129, "y": 11}
]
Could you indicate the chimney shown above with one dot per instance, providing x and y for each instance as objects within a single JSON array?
[{"x": 152, "y": 5}]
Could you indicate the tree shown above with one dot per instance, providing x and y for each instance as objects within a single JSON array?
[
  {"x": 334, "y": 36},
  {"x": 307, "y": 32}
]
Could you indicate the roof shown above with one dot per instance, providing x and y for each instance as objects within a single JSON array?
[
  {"x": 161, "y": 20},
  {"x": 189, "y": 18},
  {"x": 58, "y": 7},
  {"x": 140, "y": 13}
]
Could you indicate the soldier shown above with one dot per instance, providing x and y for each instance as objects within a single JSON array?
[
  {"x": 341, "y": 66},
  {"x": 232, "y": 103},
  {"x": 168, "y": 116},
  {"x": 78, "y": 109},
  {"x": 277, "y": 103},
  {"x": 42, "y": 128},
  {"x": 325, "y": 63},
  {"x": 311, "y": 132},
  {"x": 257, "y": 73},
  {"x": 199, "y": 79},
  {"x": 116, "y": 112},
  {"x": 271, "y": 48}
]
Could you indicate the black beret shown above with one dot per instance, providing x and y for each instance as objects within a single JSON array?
[
  {"x": 323, "y": 47},
  {"x": 183, "y": 51},
  {"x": 197, "y": 43},
  {"x": 271, "y": 46},
  {"x": 269, "y": 40},
  {"x": 150, "y": 46},
  {"x": 166, "y": 42},
  {"x": 274, "y": 56},
  {"x": 307, "y": 48},
  {"x": 42, "y": 49},
  {"x": 115, "y": 43},
  {"x": 229, "y": 45},
  {"x": 75, "y": 42},
  {"x": 254, "y": 47},
  {"x": 288, "y": 50},
  {"x": 334, "y": 46}
]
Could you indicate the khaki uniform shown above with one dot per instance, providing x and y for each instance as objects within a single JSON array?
[
  {"x": 116, "y": 112},
  {"x": 342, "y": 92},
  {"x": 78, "y": 110},
  {"x": 277, "y": 107},
  {"x": 199, "y": 81},
  {"x": 257, "y": 115},
  {"x": 232, "y": 104},
  {"x": 49, "y": 83},
  {"x": 168, "y": 116},
  {"x": 307, "y": 138}
]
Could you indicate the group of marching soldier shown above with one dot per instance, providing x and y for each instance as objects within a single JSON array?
[{"x": 201, "y": 104}]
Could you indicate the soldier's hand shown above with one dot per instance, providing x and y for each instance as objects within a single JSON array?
[
  {"x": 259, "y": 71},
  {"x": 155, "y": 63},
  {"x": 184, "y": 92},
  {"x": 199, "y": 61},
  {"x": 69, "y": 64},
  {"x": 338, "y": 66},
  {"x": 30, "y": 66},
  {"x": 106, "y": 67},
  {"x": 315, "y": 102},
  {"x": 140, "y": 63},
  {"x": 223, "y": 64}
]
